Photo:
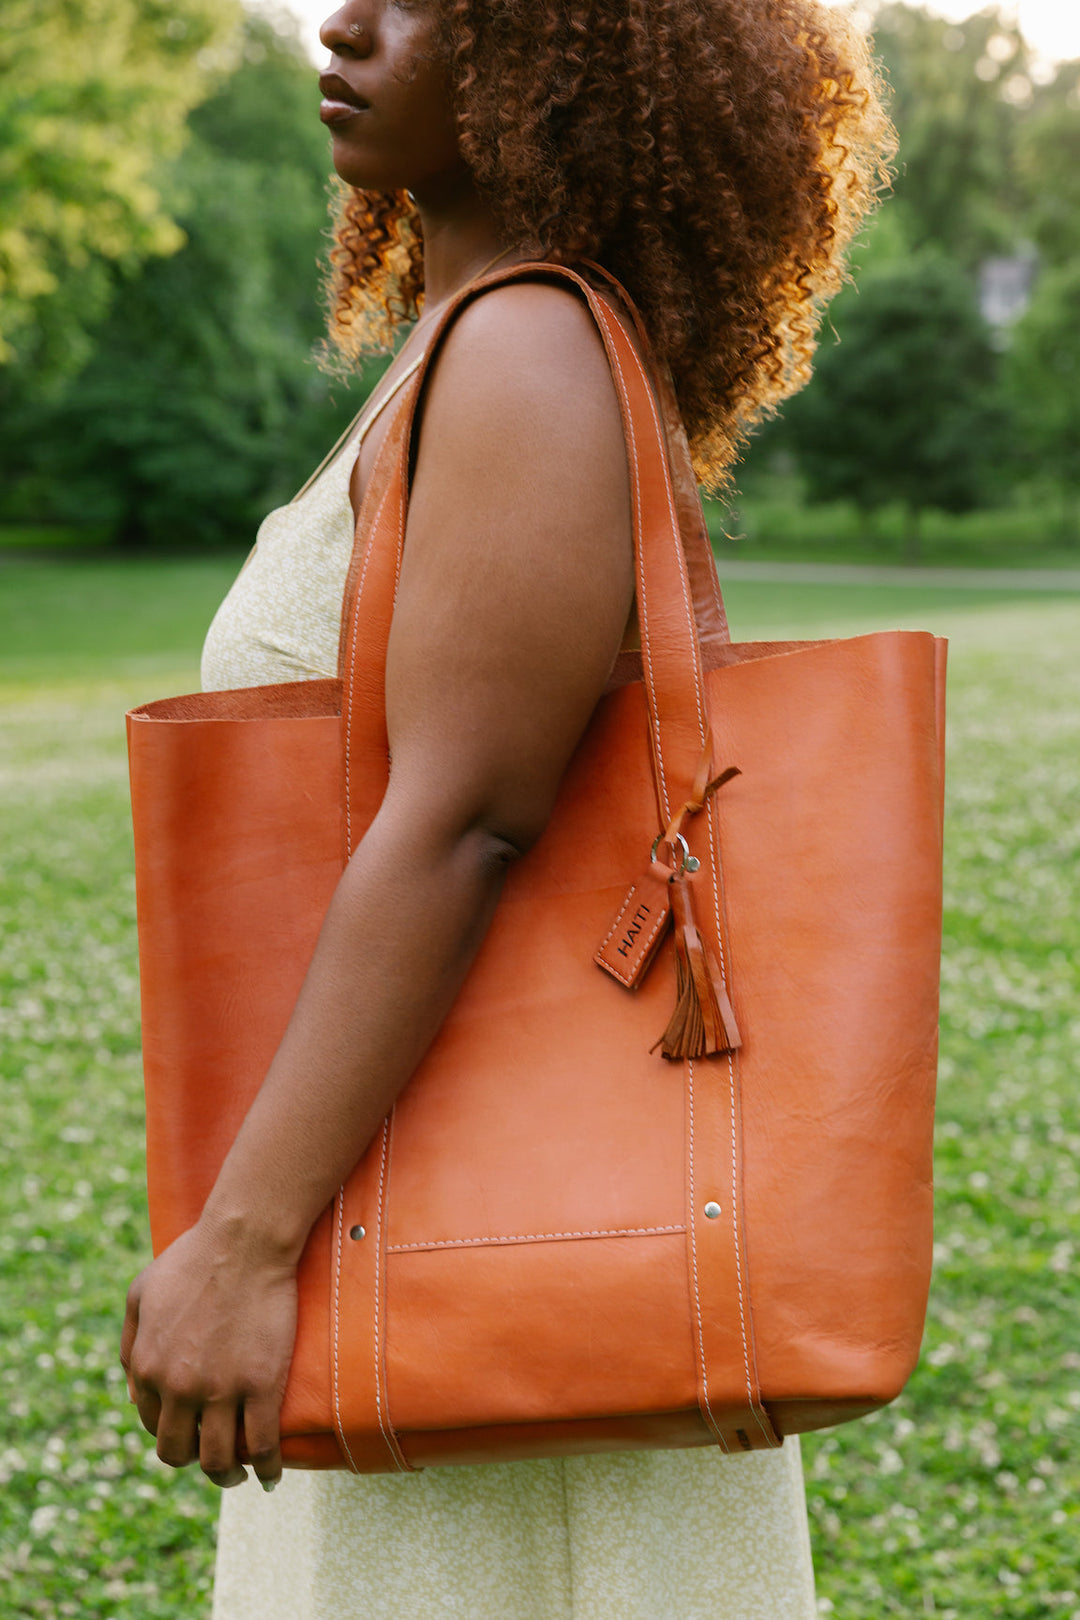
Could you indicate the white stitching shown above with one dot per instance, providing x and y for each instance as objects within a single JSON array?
[
  {"x": 352, "y": 667},
  {"x": 617, "y": 924},
  {"x": 673, "y": 513},
  {"x": 600, "y": 315},
  {"x": 702, "y": 732},
  {"x": 387, "y": 1434},
  {"x": 631, "y": 436},
  {"x": 404, "y": 514},
  {"x": 735, "y": 1230},
  {"x": 738, "y": 1259},
  {"x": 730, "y": 1058},
  {"x": 694, "y": 1265},
  {"x": 612, "y": 967},
  {"x": 337, "y": 1333},
  {"x": 714, "y": 845},
  {"x": 530, "y": 1237}
]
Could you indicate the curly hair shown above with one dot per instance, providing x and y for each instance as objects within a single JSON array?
[{"x": 716, "y": 156}]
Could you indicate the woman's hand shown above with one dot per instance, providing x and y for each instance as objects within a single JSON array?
[{"x": 207, "y": 1341}]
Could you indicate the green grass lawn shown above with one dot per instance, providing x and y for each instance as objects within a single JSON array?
[
  {"x": 770, "y": 520},
  {"x": 962, "y": 1500}
]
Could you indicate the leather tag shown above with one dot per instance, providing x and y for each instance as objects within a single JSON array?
[{"x": 640, "y": 924}]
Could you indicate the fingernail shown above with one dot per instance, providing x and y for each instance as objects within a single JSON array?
[{"x": 269, "y": 1485}]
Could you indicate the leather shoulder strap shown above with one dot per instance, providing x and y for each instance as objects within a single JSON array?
[
  {"x": 669, "y": 629},
  {"x": 705, "y": 592}
]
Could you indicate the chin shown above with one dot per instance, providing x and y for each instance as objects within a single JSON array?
[
  {"x": 350, "y": 166},
  {"x": 438, "y": 177}
]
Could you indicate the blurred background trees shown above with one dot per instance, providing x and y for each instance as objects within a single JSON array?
[
  {"x": 1042, "y": 376},
  {"x": 163, "y": 212},
  {"x": 865, "y": 432},
  {"x": 177, "y": 400},
  {"x": 93, "y": 98},
  {"x": 948, "y": 378},
  {"x": 957, "y": 93}
]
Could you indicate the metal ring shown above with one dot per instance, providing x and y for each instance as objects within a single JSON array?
[{"x": 679, "y": 839}]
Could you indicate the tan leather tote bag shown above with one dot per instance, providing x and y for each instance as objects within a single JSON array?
[{"x": 560, "y": 1241}]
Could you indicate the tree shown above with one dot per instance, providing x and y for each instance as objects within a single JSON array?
[
  {"x": 989, "y": 164},
  {"x": 902, "y": 407},
  {"x": 200, "y": 406},
  {"x": 1042, "y": 375},
  {"x": 1049, "y": 158},
  {"x": 93, "y": 96},
  {"x": 959, "y": 94}
]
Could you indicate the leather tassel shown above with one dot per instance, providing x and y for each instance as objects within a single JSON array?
[{"x": 703, "y": 1021}]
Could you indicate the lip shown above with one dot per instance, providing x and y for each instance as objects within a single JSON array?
[
  {"x": 338, "y": 112},
  {"x": 340, "y": 101}
]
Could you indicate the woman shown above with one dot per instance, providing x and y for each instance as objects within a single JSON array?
[{"x": 716, "y": 156}]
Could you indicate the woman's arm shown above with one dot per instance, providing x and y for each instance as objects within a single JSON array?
[{"x": 516, "y": 585}]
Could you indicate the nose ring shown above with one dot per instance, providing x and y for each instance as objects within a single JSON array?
[{"x": 357, "y": 30}]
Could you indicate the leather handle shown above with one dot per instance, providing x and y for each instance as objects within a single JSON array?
[
  {"x": 666, "y": 584},
  {"x": 670, "y": 642},
  {"x": 709, "y": 612}
]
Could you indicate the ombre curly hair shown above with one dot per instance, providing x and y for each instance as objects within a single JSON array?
[{"x": 717, "y": 156}]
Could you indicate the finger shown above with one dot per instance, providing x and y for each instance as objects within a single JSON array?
[
  {"x": 262, "y": 1438},
  {"x": 147, "y": 1404},
  {"x": 129, "y": 1331},
  {"x": 217, "y": 1445},
  {"x": 177, "y": 1434}
]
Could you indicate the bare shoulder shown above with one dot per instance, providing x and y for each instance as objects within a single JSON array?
[
  {"x": 528, "y": 355},
  {"x": 521, "y": 419},
  {"x": 547, "y": 321}
]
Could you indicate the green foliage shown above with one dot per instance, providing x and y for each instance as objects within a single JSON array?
[
  {"x": 772, "y": 521},
  {"x": 900, "y": 409},
  {"x": 1042, "y": 372},
  {"x": 201, "y": 406},
  {"x": 957, "y": 93},
  {"x": 907, "y": 410},
  {"x": 159, "y": 298},
  {"x": 92, "y": 97},
  {"x": 988, "y": 147},
  {"x": 1049, "y": 162},
  {"x": 960, "y": 1501}
]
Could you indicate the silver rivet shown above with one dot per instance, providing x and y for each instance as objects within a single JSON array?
[
  {"x": 357, "y": 1232},
  {"x": 712, "y": 1211},
  {"x": 692, "y": 863}
]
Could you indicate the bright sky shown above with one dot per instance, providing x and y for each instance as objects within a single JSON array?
[{"x": 1051, "y": 26}]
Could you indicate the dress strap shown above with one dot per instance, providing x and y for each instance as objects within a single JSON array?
[{"x": 365, "y": 423}]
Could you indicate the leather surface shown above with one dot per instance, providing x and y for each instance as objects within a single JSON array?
[
  {"x": 543, "y": 1268},
  {"x": 638, "y": 930}
]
